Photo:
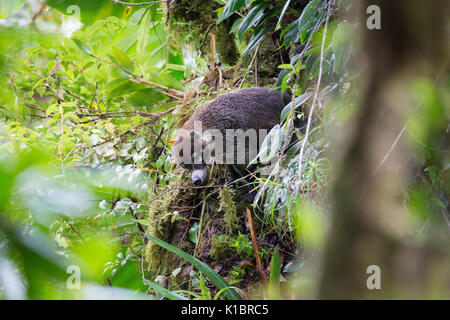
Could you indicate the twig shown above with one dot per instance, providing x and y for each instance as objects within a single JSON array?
[
  {"x": 120, "y": 114},
  {"x": 249, "y": 67},
  {"x": 173, "y": 93},
  {"x": 256, "y": 71},
  {"x": 33, "y": 106},
  {"x": 259, "y": 266},
  {"x": 158, "y": 115}
]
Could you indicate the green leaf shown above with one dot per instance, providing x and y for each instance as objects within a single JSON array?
[
  {"x": 122, "y": 59},
  {"x": 313, "y": 64},
  {"x": 147, "y": 97},
  {"x": 265, "y": 18},
  {"x": 193, "y": 232},
  {"x": 286, "y": 66},
  {"x": 71, "y": 115},
  {"x": 307, "y": 15},
  {"x": 282, "y": 78},
  {"x": 231, "y": 7},
  {"x": 83, "y": 47},
  {"x": 137, "y": 16},
  {"x": 52, "y": 108},
  {"x": 166, "y": 79},
  {"x": 202, "y": 267},
  {"x": 217, "y": 296},
  {"x": 204, "y": 289},
  {"x": 164, "y": 292},
  {"x": 342, "y": 48},
  {"x": 142, "y": 221},
  {"x": 301, "y": 99},
  {"x": 275, "y": 272},
  {"x": 286, "y": 5},
  {"x": 143, "y": 32},
  {"x": 167, "y": 164},
  {"x": 270, "y": 146},
  {"x": 253, "y": 43},
  {"x": 291, "y": 32},
  {"x": 251, "y": 18},
  {"x": 160, "y": 162}
]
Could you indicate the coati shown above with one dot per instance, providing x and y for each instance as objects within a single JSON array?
[{"x": 219, "y": 130}]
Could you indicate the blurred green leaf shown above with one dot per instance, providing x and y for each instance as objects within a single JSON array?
[
  {"x": 8, "y": 7},
  {"x": 122, "y": 59},
  {"x": 254, "y": 41},
  {"x": 98, "y": 292},
  {"x": 286, "y": 5},
  {"x": 301, "y": 99},
  {"x": 164, "y": 292},
  {"x": 193, "y": 232},
  {"x": 91, "y": 11},
  {"x": 251, "y": 18},
  {"x": 231, "y": 7},
  {"x": 83, "y": 47},
  {"x": 202, "y": 267},
  {"x": 342, "y": 47},
  {"x": 275, "y": 273}
]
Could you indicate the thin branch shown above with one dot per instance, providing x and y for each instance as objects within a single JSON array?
[
  {"x": 116, "y": 114},
  {"x": 33, "y": 106},
  {"x": 259, "y": 266},
  {"x": 173, "y": 93},
  {"x": 151, "y": 121}
]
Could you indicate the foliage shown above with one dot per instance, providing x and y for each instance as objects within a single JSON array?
[
  {"x": 213, "y": 276},
  {"x": 275, "y": 271},
  {"x": 78, "y": 100},
  {"x": 92, "y": 94}
]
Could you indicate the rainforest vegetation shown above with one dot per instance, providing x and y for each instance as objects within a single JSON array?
[{"x": 92, "y": 205}]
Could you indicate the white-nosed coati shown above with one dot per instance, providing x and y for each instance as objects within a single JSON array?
[{"x": 233, "y": 115}]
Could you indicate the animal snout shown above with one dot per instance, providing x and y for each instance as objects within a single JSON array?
[
  {"x": 197, "y": 181},
  {"x": 198, "y": 176}
]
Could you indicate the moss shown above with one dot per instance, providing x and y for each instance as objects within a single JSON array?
[
  {"x": 221, "y": 247},
  {"x": 228, "y": 207},
  {"x": 191, "y": 20},
  {"x": 162, "y": 225},
  {"x": 225, "y": 44}
]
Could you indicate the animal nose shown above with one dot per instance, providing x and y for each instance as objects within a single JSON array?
[{"x": 197, "y": 181}]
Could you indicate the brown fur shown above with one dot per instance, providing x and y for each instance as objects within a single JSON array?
[
  {"x": 256, "y": 108},
  {"x": 249, "y": 108}
]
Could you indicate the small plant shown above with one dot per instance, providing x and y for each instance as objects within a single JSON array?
[
  {"x": 238, "y": 272},
  {"x": 243, "y": 246}
]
